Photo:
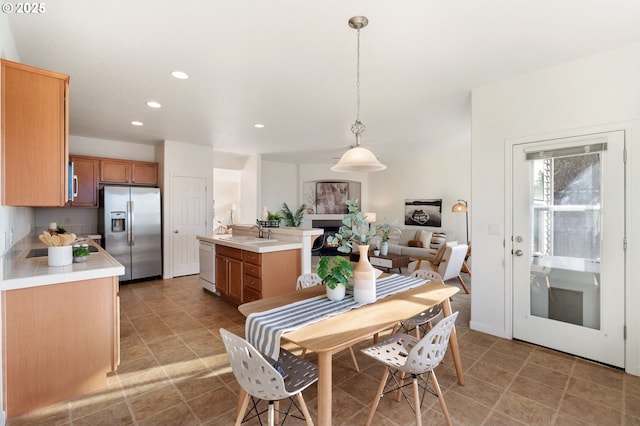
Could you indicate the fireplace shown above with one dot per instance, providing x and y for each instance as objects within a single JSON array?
[{"x": 330, "y": 228}]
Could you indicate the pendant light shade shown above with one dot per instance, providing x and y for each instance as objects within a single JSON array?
[{"x": 358, "y": 159}]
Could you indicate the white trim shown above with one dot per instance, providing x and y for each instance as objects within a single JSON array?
[{"x": 632, "y": 287}]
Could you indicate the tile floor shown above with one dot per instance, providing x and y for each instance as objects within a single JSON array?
[{"x": 174, "y": 371}]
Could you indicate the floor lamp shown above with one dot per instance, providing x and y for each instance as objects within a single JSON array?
[{"x": 459, "y": 207}]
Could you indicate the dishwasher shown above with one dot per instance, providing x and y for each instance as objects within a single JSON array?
[{"x": 207, "y": 266}]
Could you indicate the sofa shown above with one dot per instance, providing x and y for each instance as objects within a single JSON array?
[{"x": 414, "y": 242}]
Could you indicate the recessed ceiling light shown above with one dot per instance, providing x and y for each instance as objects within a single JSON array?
[
  {"x": 153, "y": 104},
  {"x": 137, "y": 123},
  {"x": 258, "y": 126},
  {"x": 180, "y": 75}
]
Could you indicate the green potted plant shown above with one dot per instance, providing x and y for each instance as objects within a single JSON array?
[
  {"x": 80, "y": 253},
  {"x": 335, "y": 272},
  {"x": 354, "y": 230},
  {"x": 293, "y": 219},
  {"x": 384, "y": 231}
]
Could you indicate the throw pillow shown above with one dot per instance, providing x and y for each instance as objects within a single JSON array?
[
  {"x": 425, "y": 238},
  {"x": 394, "y": 236},
  {"x": 438, "y": 239},
  {"x": 415, "y": 243},
  {"x": 406, "y": 235}
]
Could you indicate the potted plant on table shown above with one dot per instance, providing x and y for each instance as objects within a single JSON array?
[
  {"x": 355, "y": 230},
  {"x": 384, "y": 231},
  {"x": 335, "y": 273}
]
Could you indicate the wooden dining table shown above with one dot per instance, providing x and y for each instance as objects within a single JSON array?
[{"x": 335, "y": 333}]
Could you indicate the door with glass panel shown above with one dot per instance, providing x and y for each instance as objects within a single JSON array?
[{"x": 568, "y": 245}]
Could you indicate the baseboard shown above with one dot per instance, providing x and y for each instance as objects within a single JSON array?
[{"x": 484, "y": 328}]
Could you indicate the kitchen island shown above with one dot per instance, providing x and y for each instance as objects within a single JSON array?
[
  {"x": 249, "y": 268},
  {"x": 60, "y": 325}
]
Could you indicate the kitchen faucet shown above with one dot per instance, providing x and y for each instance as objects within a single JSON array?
[{"x": 259, "y": 226}]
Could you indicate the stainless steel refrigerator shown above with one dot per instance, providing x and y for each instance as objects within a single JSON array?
[{"x": 129, "y": 221}]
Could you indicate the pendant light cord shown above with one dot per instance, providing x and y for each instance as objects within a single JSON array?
[{"x": 358, "y": 79}]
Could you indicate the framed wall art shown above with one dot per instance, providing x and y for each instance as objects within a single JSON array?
[
  {"x": 423, "y": 212},
  {"x": 331, "y": 197}
]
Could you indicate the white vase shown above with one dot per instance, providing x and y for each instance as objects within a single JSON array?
[
  {"x": 364, "y": 278},
  {"x": 384, "y": 248},
  {"x": 336, "y": 294}
]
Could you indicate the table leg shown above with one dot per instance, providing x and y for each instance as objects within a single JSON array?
[
  {"x": 453, "y": 344},
  {"x": 324, "y": 388}
]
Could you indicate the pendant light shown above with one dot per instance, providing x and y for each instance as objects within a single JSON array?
[{"x": 357, "y": 158}]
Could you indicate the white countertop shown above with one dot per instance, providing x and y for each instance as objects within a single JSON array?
[
  {"x": 262, "y": 246},
  {"x": 20, "y": 272}
]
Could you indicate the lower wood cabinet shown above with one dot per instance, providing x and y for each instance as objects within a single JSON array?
[
  {"x": 229, "y": 273},
  {"x": 243, "y": 276},
  {"x": 59, "y": 341}
]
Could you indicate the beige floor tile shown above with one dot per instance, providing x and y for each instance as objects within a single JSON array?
[
  {"x": 524, "y": 409},
  {"x": 118, "y": 414},
  {"x": 589, "y": 411},
  {"x": 147, "y": 404}
]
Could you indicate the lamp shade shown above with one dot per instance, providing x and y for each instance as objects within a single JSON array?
[
  {"x": 459, "y": 207},
  {"x": 358, "y": 159},
  {"x": 370, "y": 217}
]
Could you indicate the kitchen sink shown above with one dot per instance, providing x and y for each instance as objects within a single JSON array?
[{"x": 43, "y": 252}]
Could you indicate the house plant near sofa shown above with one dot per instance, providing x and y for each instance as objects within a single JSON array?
[{"x": 355, "y": 230}]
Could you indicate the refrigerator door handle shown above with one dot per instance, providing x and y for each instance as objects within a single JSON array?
[{"x": 132, "y": 225}]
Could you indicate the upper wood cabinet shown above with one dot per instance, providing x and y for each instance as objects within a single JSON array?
[
  {"x": 128, "y": 172},
  {"x": 85, "y": 181},
  {"x": 34, "y": 136}
]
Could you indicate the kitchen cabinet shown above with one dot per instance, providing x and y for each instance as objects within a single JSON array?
[
  {"x": 85, "y": 181},
  {"x": 59, "y": 341},
  {"x": 128, "y": 172},
  {"x": 34, "y": 136},
  {"x": 229, "y": 273},
  {"x": 269, "y": 274},
  {"x": 244, "y": 275}
]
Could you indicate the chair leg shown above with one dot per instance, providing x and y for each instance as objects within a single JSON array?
[
  {"x": 355, "y": 361},
  {"x": 304, "y": 352},
  {"x": 443, "y": 405},
  {"x": 276, "y": 413},
  {"x": 466, "y": 290},
  {"x": 376, "y": 401},
  {"x": 242, "y": 408},
  {"x": 416, "y": 401},
  {"x": 271, "y": 414},
  {"x": 304, "y": 409}
]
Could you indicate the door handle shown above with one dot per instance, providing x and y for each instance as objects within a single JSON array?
[{"x": 518, "y": 252}]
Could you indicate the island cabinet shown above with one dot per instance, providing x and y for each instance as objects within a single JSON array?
[
  {"x": 34, "y": 136},
  {"x": 59, "y": 341},
  {"x": 229, "y": 273},
  {"x": 269, "y": 274}
]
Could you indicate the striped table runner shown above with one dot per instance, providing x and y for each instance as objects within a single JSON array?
[{"x": 264, "y": 329}]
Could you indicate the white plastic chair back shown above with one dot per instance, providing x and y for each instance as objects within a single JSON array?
[
  {"x": 252, "y": 371},
  {"x": 429, "y": 351},
  {"x": 426, "y": 275},
  {"x": 452, "y": 261},
  {"x": 308, "y": 280}
]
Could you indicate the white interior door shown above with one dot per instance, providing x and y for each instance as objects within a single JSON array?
[
  {"x": 189, "y": 219},
  {"x": 568, "y": 245}
]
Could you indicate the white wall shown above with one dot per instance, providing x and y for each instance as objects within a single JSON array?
[
  {"x": 595, "y": 91},
  {"x": 250, "y": 191},
  {"x": 182, "y": 159},
  {"x": 279, "y": 183},
  {"x": 226, "y": 192},
  {"x": 80, "y": 145}
]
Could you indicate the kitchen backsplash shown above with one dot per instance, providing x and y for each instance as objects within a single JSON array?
[{"x": 81, "y": 222}]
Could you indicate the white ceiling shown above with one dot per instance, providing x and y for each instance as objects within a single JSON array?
[{"x": 290, "y": 64}]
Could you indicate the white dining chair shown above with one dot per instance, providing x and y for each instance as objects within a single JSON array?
[
  {"x": 404, "y": 354},
  {"x": 421, "y": 321},
  {"x": 261, "y": 380}
]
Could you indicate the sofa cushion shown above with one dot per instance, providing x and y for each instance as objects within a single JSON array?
[
  {"x": 406, "y": 235},
  {"x": 424, "y": 253},
  {"x": 415, "y": 243},
  {"x": 425, "y": 237},
  {"x": 394, "y": 236},
  {"x": 438, "y": 239}
]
